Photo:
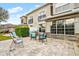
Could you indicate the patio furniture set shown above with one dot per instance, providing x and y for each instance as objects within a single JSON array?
[
  {"x": 18, "y": 41},
  {"x": 41, "y": 36}
]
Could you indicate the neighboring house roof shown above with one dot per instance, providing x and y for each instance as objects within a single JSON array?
[{"x": 8, "y": 26}]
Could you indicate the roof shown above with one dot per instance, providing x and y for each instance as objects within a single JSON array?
[{"x": 8, "y": 26}]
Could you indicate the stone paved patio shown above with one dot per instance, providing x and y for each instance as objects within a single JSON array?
[{"x": 54, "y": 47}]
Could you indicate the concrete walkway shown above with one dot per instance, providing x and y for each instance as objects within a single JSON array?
[{"x": 54, "y": 47}]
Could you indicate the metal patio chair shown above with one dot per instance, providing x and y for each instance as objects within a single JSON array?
[
  {"x": 42, "y": 37},
  {"x": 33, "y": 35},
  {"x": 15, "y": 41}
]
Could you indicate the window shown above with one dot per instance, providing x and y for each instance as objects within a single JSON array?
[
  {"x": 21, "y": 20},
  {"x": 41, "y": 15},
  {"x": 63, "y": 8},
  {"x": 60, "y": 27},
  {"x": 42, "y": 28},
  {"x": 76, "y": 5},
  {"x": 69, "y": 26},
  {"x": 63, "y": 27},
  {"x": 53, "y": 28},
  {"x": 30, "y": 20}
]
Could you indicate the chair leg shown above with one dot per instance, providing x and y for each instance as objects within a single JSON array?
[
  {"x": 46, "y": 40},
  {"x": 39, "y": 40},
  {"x": 21, "y": 44},
  {"x": 12, "y": 46},
  {"x": 42, "y": 40}
]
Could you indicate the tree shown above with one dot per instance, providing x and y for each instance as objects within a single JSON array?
[{"x": 4, "y": 15}]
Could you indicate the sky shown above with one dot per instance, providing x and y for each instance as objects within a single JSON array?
[{"x": 16, "y": 10}]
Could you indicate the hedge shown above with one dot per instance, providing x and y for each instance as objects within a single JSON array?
[{"x": 22, "y": 31}]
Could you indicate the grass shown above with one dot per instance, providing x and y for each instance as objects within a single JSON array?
[{"x": 4, "y": 37}]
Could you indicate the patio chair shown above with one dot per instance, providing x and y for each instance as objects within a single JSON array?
[
  {"x": 42, "y": 37},
  {"x": 15, "y": 41},
  {"x": 33, "y": 35}
]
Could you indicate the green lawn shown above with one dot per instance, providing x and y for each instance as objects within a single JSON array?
[{"x": 4, "y": 37}]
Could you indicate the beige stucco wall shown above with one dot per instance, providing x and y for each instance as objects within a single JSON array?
[
  {"x": 77, "y": 25},
  {"x": 48, "y": 26},
  {"x": 35, "y": 19},
  {"x": 36, "y": 13},
  {"x": 25, "y": 20}
]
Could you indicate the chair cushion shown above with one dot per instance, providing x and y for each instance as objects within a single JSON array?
[
  {"x": 18, "y": 41},
  {"x": 42, "y": 36},
  {"x": 33, "y": 35},
  {"x": 13, "y": 34}
]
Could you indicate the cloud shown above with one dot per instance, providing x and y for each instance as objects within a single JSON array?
[
  {"x": 38, "y": 5},
  {"x": 15, "y": 10},
  {"x": 28, "y": 11},
  {"x": 15, "y": 14},
  {"x": 14, "y": 19},
  {"x": 35, "y": 7}
]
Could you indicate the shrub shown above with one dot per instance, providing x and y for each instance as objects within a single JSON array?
[{"x": 22, "y": 31}]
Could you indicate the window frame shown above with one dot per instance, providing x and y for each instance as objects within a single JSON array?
[
  {"x": 30, "y": 20},
  {"x": 63, "y": 30},
  {"x": 41, "y": 15}
]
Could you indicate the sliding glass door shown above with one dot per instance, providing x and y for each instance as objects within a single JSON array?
[{"x": 63, "y": 27}]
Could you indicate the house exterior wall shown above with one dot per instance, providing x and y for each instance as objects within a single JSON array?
[
  {"x": 77, "y": 25},
  {"x": 60, "y": 9},
  {"x": 35, "y": 14},
  {"x": 48, "y": 27},
  {"x": 35, "y": 21},
  {"x": 23, "y": 20}
]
